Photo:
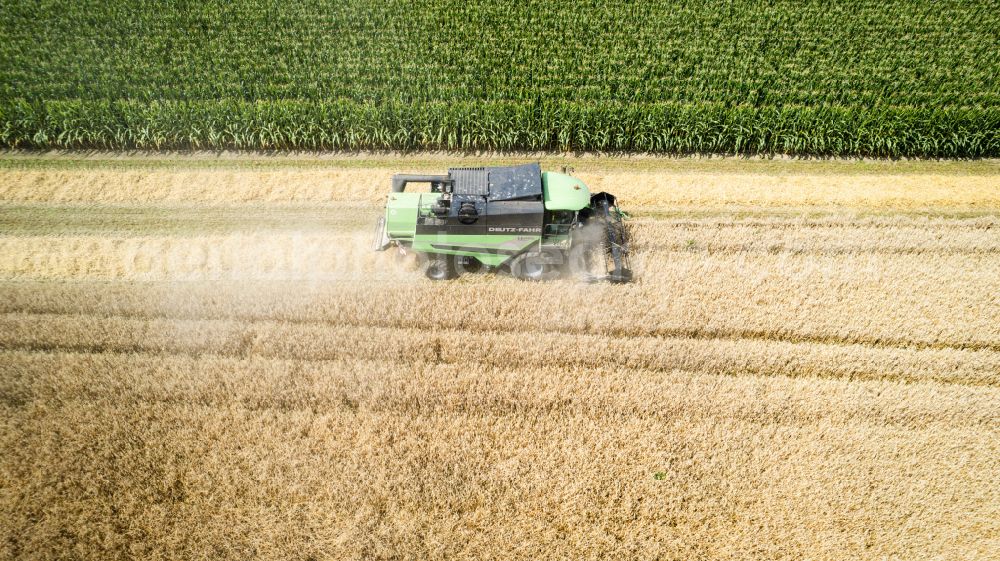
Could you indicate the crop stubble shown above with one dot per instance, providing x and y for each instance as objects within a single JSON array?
[{"x": 807, "y": 367}]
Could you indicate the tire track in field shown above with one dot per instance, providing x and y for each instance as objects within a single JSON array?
[
  {"x": 326, "y": 342},
  {"x": 832, "y": 315},
  {"x": 807, "y": 237},
  {"x": 738, "y": 249},
  {"x": 807, "y": 220},
  {"x": 285, "y": 384},
  {"x": 615, "y": 332},
  {"x": 132, "y": 220}
]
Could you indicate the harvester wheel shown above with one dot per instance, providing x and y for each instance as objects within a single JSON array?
[
  {"x": 440, "y": 267},
  {"x": 582, "y": 259},
  {"x": 535, "y": 266}
]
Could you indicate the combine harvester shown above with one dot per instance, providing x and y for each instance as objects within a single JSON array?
[{"x": 537, "y": 225}]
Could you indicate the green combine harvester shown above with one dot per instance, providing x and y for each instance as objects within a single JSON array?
[{"x": 536, "y": 225}]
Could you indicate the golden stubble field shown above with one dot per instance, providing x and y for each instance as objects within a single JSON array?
[{"x": 201, "y": 360}]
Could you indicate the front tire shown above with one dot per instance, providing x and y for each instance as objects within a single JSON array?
[
  {"x": 583, "y": 258},
  {"x": 535, "y": 267}
]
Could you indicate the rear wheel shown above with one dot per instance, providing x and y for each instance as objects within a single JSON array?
[{"x": 440, "y": 267}]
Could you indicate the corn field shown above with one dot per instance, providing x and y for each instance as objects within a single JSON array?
[{"x": 886, "y": 79}]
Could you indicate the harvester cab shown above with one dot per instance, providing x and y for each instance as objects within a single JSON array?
[{"x": 538, "y": 225}]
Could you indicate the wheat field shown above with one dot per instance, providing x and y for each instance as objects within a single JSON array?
[{"x": 201, "y": 359}]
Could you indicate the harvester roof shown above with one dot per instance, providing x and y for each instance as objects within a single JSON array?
[{"x": 504, "y": 183}]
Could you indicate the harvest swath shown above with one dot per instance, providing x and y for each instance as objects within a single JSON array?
[
  {"x": 196, "y": 363},
  {"x": 898, "y": 78}
]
